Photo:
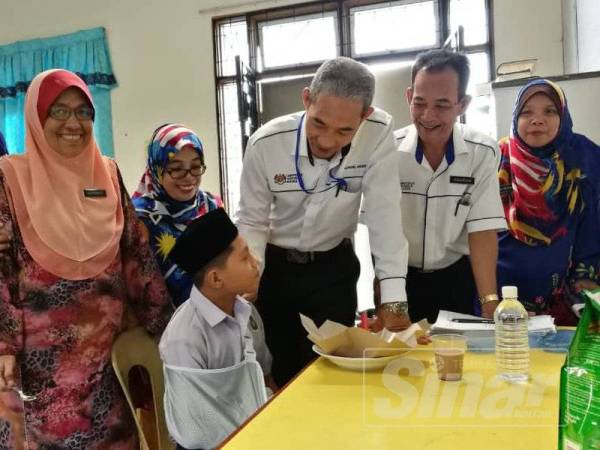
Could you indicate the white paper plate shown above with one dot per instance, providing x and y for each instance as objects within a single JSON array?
[{"x": 359, "y": 364}]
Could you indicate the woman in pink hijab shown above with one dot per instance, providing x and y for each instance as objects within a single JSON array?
[{"x": 77, "y": 257}]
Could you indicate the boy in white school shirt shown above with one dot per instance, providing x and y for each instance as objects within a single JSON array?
[{"x": 213, "y": 349}]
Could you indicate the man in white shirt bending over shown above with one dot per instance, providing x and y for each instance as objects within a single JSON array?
[{"x": 303, "y": 178}]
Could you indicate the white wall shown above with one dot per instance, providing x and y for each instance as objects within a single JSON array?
[
  {"x": 526, "y": 29},
  {"x": 162, "y": 56},
  {"x": 583, "y": 97},
  {"x": 569, "y": 16},
  {"x": 588, "y": 35}
]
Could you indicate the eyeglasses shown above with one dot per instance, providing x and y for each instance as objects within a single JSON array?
[
  {"x": 179, "y": 172},
  {"x": 63, "y": 113}
]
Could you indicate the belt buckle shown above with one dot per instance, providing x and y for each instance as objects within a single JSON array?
[{"x": 297, "y": 257}]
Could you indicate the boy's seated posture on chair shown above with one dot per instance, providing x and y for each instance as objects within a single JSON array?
[{"x": 213, "y": 348}]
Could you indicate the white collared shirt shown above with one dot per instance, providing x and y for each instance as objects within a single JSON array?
[
  {"x": 440, "y": 208},
  {"x": 202, "y": 336},
  {"x": 274, "y": 208}
]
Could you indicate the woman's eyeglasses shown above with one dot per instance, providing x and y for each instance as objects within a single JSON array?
[
  {"x": 63, "y": 113},
  {"x": 179, "y": 172}
]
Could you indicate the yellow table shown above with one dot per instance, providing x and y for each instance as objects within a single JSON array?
[{"x": 404, "y": 406}]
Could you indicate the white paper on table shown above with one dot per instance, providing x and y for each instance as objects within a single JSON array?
[
  {"x": 337, "y": 339},
  {"x": 325, "y": 331},
  {"x": 535, "y": 324}
]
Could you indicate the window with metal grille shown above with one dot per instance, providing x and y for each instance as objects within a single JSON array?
[
  {"x": 393, "y": 27},
  {"x": 288, "y": 42}
]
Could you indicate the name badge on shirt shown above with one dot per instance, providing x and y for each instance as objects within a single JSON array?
[
  {"x": 94, "y": 193},
  {"x": 462, "y": 180},
  {"x": 282, "y": 178}
]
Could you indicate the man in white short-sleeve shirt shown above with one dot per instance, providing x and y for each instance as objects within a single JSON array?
[
  {"x": 302, "y": 182},
  {"x": 451, "y": 206}
]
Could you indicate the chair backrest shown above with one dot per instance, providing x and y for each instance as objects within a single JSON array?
[{"x": 135, "y": 347}]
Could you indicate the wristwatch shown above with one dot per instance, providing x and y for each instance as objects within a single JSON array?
[
  {"x": 397, "y": 308},
  {"x": 488, "y": 298}
]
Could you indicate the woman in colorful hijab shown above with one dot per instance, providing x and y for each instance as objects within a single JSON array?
[
  {"x": 77, "y": 257},
  {"x": 549, "y": 189},
  {"x": 169, "y": 198}
]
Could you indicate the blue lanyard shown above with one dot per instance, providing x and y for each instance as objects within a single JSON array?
[{"x": 340, "y": 182}]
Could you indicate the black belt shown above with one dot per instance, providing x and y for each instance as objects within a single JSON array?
[{"x": 291, "y": 255}]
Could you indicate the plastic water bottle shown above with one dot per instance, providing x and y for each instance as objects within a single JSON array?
[{"x": 512, "y": 340}]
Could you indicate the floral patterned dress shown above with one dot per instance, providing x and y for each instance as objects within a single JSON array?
[{"x": 62, "y": 332}]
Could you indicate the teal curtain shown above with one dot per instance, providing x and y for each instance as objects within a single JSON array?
[{"x": 84, "y": 52}]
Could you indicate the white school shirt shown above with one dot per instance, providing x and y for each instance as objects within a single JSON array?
[
  {"x": 274, "y": 208},
  {"x": 202, "y": 336},
  {"x": 436, "y": 221}
]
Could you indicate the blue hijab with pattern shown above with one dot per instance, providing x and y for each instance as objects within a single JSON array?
[
  {"x": 165, "y": 217},
  {"x": 542, "y": 186}
]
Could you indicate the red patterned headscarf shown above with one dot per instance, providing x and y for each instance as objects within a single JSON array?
[{"x": 540, "y": 187}]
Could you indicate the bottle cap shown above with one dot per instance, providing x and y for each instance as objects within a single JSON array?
[{"x": 509, "y": 292}]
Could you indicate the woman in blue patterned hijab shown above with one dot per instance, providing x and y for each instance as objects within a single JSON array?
[
  {"x": 169, "y": 197},
  {"x": 549, "y": 187}
]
